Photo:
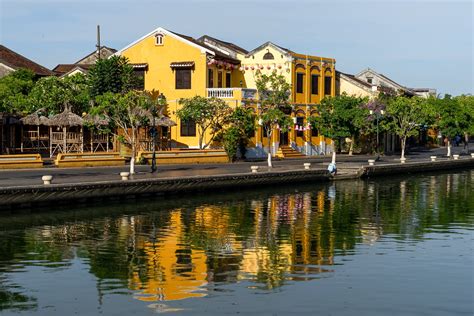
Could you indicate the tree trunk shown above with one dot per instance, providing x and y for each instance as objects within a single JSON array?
[
  {"x": 132, "y": 160},
  {"x": 200, "y": 140},
  {"x": 269, "y": 159},
  {"x": 351, "y": 147},
  {"x": 403, "y": 141},
  {"x": 333, "y": 157},
  {"x": 449, "y": 148}
]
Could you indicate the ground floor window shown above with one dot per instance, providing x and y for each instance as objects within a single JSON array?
[{"x": 188, "y": 128}]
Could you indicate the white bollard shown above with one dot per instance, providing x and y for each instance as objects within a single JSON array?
[
  {"x": 403, "y": 160},
  {"x": 254, "y": 169},
  {"x": 307, "y": 166},
  {"x": 125, "y": 175},
  {"x": 455, "y": 157},
  {"x": 433, "y": 158},
  {"x": 47, "y": 179},
  {"x": 371, "y": 162}
]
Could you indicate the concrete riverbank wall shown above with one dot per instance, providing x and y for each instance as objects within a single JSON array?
[
  {"x": 416, "y": 167},
  {"x": 40, "y": 195},
  {"x": 32, "y": 196}
]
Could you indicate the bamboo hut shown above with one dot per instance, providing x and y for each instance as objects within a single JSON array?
[
  {"x": 9, "y": 133},
  {"x": 34, "y": 131},
  {"x": 163, "y": 125},
  {"x": 162, "y": 130},
  {"x": 68, "y": 134},
  {"x": 93, "y": 140}
]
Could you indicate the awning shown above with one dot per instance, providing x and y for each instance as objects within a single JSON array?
[
  {"x": 142, "y": 66},
  {"x": 182, "y": 64}
]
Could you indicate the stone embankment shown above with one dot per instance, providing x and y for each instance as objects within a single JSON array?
[
  {"x": 37, "y": 195},
  {"x": 95, "y": 191}
]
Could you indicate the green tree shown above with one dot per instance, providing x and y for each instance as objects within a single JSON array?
[
  {"x": 273, "y": 92},
  {"x": 210, "y": 115},
  {"x": 340, "y": 117},
  {"x": 405, "y": 116},
  {"x": 127, "y": 112},
  {"x": 237, "y": 135},
  {"x": 14, "y": 90},
  {"x": 466, "y": 104},
  {"x": 53, "y": 94},
  {"x": 453, "y": 117},
  {"x": 112, "y": 74}
]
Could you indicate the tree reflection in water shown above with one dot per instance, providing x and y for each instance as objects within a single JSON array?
[{"x": 173, "y": 250}]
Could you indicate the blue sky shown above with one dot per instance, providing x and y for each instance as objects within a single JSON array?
[{"x": 418, "y": 43}]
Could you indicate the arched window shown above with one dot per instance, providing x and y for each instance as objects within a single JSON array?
[
  {"x": 268, "y": 55},
  {"x": 159, "y": 39}
]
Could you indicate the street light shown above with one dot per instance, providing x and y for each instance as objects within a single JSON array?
[
  {"x": 378, "y": 115},
  {"x": 154, "y": 110}
]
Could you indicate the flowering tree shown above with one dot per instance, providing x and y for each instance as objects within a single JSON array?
[
  {"x": 210, "y": 114},
  {"x": 273, "y": 91}
]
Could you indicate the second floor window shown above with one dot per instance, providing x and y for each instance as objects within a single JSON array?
[
  {"x": 227, "y": 79},
  {"x": 219, "y": 79},
  {"x": 210, "y": 78},
  {"x": 183, "y": 78},
  {"x": 188, "y": 128},
  {"x": 314, "y": 84},
  {"x": 299, "y": 82},
  {"x": 327, "y": 85}
]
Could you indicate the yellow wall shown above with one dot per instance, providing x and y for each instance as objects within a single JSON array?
[{"x": 281, "y": 63}]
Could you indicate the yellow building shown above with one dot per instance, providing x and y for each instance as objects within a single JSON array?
[{"x": 182, "y": 67}]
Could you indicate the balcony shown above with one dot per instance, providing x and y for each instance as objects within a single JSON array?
[{"x": 232, "y": 93}]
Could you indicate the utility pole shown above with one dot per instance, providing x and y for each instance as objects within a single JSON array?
[{"x": 98, "y": 42}]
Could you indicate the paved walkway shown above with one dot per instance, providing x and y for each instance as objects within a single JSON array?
[{"x": 346, "y": 165}]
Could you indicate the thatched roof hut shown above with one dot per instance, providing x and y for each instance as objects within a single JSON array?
[
  {"x": 66, "y": 118},
  {"x": 35, "y": 118},
  {"x": 165, "y": 121}
]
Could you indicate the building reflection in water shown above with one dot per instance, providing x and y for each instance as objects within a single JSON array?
[{"x": 265, "y": 241}]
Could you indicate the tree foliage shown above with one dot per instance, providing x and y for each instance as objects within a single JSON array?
[
  {"x": 406, "y": 116},
  {"x": 274, "y": 92},
  {"x": 237, "y": 135},
  {"x": 14, "y": 90},
  {"x": 53, "y": 94},
  {"x": 341, "y": 116},
  {"x": 210, "y": 115},
  {"x": 112, "y": 74},
  {"x": 128, "y": 112}
]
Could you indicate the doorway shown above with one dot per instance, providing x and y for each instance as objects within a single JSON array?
[{"x": 283, "y": 138}]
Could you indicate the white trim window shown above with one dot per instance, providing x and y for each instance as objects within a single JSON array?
[{"x": 159, "y": 39}]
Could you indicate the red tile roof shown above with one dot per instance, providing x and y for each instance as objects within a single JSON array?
[{"x": 16, "y": 61}]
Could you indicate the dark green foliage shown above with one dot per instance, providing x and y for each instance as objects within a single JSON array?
[
  {"x": 237, "y": 135},
  {"x": 14, "y": 90},
  {"x": 341, "y": 116},
  {"x": 113, "y": 74}
]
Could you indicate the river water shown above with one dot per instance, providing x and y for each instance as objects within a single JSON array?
[{"x": 395, "y": 246}]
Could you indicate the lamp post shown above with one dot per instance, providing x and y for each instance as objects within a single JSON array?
[
  {"x": 160, "y": 100},
  {"x": 378, "y": 115}
]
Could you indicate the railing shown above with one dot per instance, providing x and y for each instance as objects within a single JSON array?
[
  {"x": 231, "y": 93},
  {"x": 221, "y": 93}
]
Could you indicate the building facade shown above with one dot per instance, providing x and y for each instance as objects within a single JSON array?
[{"x": 180, "y": 66}]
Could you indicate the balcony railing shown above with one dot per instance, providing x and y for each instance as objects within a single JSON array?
[
  {"x": 231, "y": 93},
  {"x": 221, "y": 93}
]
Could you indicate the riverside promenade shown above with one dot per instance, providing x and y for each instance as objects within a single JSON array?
[{"x": 25, "y": 187}]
